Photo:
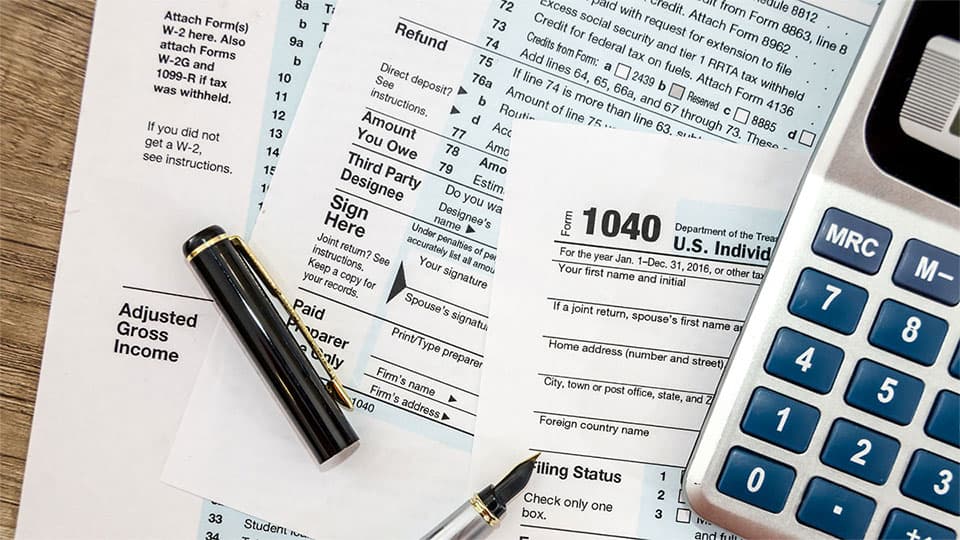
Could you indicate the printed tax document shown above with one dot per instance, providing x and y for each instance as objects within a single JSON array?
[
  {"x": 184, "y": 109},
  {"x": 616, "y": 303},
  {"x": 383, "y": 219}
]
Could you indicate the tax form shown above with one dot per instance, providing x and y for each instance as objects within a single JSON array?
[
  {"x": 185, "y": 108},
  {"x": 384, "y": 216},
  {"x": 616, "y": 304}
]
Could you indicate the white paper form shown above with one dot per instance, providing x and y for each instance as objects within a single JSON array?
[
  {"x": 384, "y": 218},
  {"x": 616, "y": 303},
  {"x": 184, "y": 109}
]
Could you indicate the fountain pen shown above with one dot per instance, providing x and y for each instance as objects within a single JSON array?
[{"x": 477, "y": 517}]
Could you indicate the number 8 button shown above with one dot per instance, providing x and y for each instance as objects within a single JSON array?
[{"x": 908, "y": 332}]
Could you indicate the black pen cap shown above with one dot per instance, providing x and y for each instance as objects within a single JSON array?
[{"x": 233, "y": 282}]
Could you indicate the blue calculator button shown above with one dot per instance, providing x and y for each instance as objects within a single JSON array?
[
  {"x": 828, "y": 301},
  {"x": 955, "y": 363},
  {"x": 885, "y": 392},
  {"x": 756, "y": 480},
  {"x": 835, "y": 510},
  {"x": 862, "y": 452},
  {"x": 851, "y": 241},
  {"x": 803, "y": 360},
  {"x": 933, "y": 480},
  {"x": 908, "y": 332},
  {"x": 780, "y": 420},
  {"x": 902, "y": 525},
  {"x": 944, "y": 421},
  {"x": 929, "y": 271}
]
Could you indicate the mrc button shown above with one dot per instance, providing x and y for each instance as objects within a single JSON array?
[
  {"x": 929, "y": 271},
  {"x": 851, "y": 241}
]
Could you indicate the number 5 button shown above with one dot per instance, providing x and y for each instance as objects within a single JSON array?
[
  {"x": 908, "y": 332},
  {"x": 828, "y": 301},
  {"x": 884, "y": 392}
]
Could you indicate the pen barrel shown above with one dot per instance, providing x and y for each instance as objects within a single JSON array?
[
  {"x": 266, "y": 337},
  {"x": 465, "y": 523}
]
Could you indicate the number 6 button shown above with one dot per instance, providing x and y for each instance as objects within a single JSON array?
[{"x": 828, "y": 301}]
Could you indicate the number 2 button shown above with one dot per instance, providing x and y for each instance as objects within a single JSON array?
[{"x": 828, "y": 301}]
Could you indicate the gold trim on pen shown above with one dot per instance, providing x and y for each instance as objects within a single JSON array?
[
  {"x": 207, "y": 244},
  {"x": 335, "y": 387},
  {"x": 484, "y": 512}
]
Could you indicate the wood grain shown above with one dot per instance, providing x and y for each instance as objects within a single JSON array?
[{"x": 43, "y": 50}]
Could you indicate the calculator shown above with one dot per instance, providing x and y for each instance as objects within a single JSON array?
[{"x": 837, "y": 415}]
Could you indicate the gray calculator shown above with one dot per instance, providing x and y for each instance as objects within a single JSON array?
[{"x": 839, "y": 412}]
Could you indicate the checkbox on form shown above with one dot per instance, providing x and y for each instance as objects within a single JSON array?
[
  {"x": 622, "y": 71},
  {"x": 807, "y": 138},
  {"x": 676, "y": 91},
  {"x": 683, "y": 515},
  {"x": 742, "y": 115}
]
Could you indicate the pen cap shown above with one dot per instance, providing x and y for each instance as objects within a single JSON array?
[{"x": 237, "y": 290}]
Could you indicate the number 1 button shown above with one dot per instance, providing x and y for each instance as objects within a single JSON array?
[
  {"x": 756, "y": 480},
  {"x": 828, "y": 301}
]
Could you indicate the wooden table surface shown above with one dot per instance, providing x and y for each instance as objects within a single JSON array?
[{"x": 43, "y": 51}]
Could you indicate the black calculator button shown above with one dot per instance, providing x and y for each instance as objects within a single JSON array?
[
  {"x": 859, "y": 451},
  {"x": 780, "y": 420},
  {"x": 803, "y": 360},
  {"x": 933, "y": 480},
  {"x": 835, "y": 510},
  {"x": 929, "y": 271},
  {"x": 902, "y": 525},
  {"x": 828, "y": 301},
  {"x": 756, "y": 480},
  {"x": 908, "y": 332},
  {"x": 885, "y": 392},
  {"x": 944, "y": 421},
  {"x": 851, "y": 241}
]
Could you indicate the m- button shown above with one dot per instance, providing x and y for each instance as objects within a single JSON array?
[
  {"x": 929, "y": 271},
  {"x": 851, "y": 241}
]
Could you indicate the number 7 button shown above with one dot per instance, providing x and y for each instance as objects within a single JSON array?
[{"x": 828, "y": 301}]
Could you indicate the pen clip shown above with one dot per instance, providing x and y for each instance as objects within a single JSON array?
[{"x": 335, "y": 387}]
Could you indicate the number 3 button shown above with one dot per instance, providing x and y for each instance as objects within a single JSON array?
[{"x": 933, "y": 479}]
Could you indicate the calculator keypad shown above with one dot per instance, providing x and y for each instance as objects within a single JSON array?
[
  {"x": 908, "y": 332},
  {"x": 780, "y": 420},
  {"x": 904, "y": 338},
  {"x": 884, "y": 392},
  {"x": 828, "y": 301},
  {"x": 860, "y": 451},
  {"x": 835, "y": 510}
]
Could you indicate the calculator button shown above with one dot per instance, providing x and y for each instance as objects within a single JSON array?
[
  {"x": 803, "y": 360},
  {"x": 851, "y": 241},
  {"x": 944, "y": 421},
  {"x": 908, "y": 332},
  {"x": 780, "y": 420},
  {"x": 906, "y": 526},
  {"x": 955, "y": 363},
  {"x": 835, "y": 510},
  {"x": 933, "y": 480},
  {"x": 756, "y": 480},
  {"x": 884, "y": 392},
  {"x": 828, "y": 301},
  {"x": 929, "y": 271},
  {"x": 862, "y": 452}
]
